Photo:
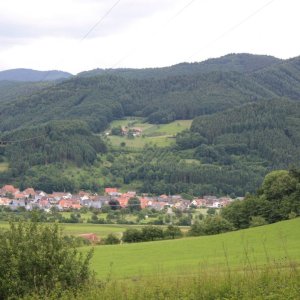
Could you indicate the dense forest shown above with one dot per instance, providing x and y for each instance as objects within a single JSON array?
[{"x": 246, "y": 122}]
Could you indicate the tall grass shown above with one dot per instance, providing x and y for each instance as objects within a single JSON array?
[{"x": 276, "y": 280}]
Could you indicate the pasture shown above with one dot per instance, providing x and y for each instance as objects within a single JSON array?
[
  {"x": 254, "y": 247},
  {"x": 161, "y": 135},
  {"x": 3, "y": 167}
]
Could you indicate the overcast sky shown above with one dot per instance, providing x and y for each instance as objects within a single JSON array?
[{"x": 78, "y": 35}]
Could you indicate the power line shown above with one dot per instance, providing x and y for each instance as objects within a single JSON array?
[
  {"x": 222, "y": 35},
  {"x": 4, "y": 143},
  {"x": 158, "y": 31},
  {"x": 100, "y": 21},
  {"x": 92, "y": 28}
]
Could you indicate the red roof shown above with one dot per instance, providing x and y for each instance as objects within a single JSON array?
[
  {"x": 69, "y": 203},
  {"x": 111, "y": 190},
  {"x": 123, "y": 201},
  {"x": 144, "y": 202},
  {"x": 90, "y": 236},
  {"x": 10, "y": 189}
]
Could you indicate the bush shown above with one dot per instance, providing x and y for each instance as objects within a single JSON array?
[
  {"x": 36, "y": 258},
  {"x": 257, "y": 221},
  {"x": 111, "y": 240},
  {"x": 211, "y": 225},
  {"x": 132, "y": 235}
]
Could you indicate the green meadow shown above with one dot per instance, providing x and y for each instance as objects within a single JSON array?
[
  {"x": 3, "y": 166},
  {"x": 161, "y": 135},
  {"x": 252, "y": 247}
]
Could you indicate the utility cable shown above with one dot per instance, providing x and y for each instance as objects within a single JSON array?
[{"x": 234, "y": 27}]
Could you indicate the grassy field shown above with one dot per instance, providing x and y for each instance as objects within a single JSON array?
[
  {"x": 161, "y": 135},
  {"x": 250, "y": 247},
  {"x": 101, "y": 230},
  {"x": 3, "y": 166}
]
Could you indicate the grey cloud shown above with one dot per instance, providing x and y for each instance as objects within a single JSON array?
[{"x": 123, "y": 15}]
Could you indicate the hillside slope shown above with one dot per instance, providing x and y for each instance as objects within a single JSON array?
[
  {"x": 281, "y": 241},
  {"x": 270, "y": 129},
  {"x": 247, "y": 110},
  {"x": 242, "y": 63}
]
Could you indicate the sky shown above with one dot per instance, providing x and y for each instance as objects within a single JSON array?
[{"x": 80, "y": 35}]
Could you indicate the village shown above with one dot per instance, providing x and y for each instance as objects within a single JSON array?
[{"x": 30, "y": 199}]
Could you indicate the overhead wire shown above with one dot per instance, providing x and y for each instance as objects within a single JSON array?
[
  {"x": 100, "y": 21},
  {"x": 234, "y": 27},
  {"x": 4, "y": 143},
  {"x": 158, "y": 31},
  {"x": 92, "y": 28},
  {"x": 222, "y": 35}
]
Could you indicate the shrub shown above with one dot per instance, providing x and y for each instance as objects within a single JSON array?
[
  {"x": 111, "y": 240},
  {"x": 257, "y": 221},
  {"x": 36, "y": 258}
]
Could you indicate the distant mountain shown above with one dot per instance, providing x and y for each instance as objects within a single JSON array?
[
  {"x": 242, "y": 63},
  {"x": 97, "y": 100},
  {"x": 28, "y": 75}
]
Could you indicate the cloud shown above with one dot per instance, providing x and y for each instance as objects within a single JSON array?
[
  {"x": 71, "y": 19},
  {"x": 48, "y": 34}
]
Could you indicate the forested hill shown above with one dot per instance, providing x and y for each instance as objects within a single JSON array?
[
  {"x": 13, "y": 90},
  {"x": 246, "y": 111},
  {"x": 98, "y": 100},
  {"x": 242, "y": 63},
  {"x": 269, "y": 130},
  {"x": 282, "y": 79},
  {"x": 28, "y": 75}
]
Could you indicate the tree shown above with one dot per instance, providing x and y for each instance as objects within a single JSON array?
[
  {"x": 278, "y": 184},
  {"x": 132, "y": 235},
  {"x": 117, "y": 131},
  {"x": 114, "y": 204},
  {"x": 134, "y": 204},
  {"x": 211, "y": 225},
  {"x": 35, "y": 258},
  {"x": 151, "y": 233},
  {"x": 173, "y": 232}
]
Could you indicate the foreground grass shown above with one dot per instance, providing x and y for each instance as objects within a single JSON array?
[
  {"x": 254, "y": 246},
  {"x": 274, "y": 282}
]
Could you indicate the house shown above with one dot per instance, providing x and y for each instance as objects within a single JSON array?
[
  {"x": 9, "y": 189},
  {"x": 5, "y": 201},
  {"x": 44, "y": 203},
  {"x": 15, "y": 204},
  {"x": 69, "y": 204},
  {"x": 112, "y": 191},
  {"x": 123, "y": 201},
  {"x": 199, "y": 202},
  {"x": 136, "y": 131},
  {"x": 92, "y": 237},
  {"x": 157, "y": 205},
  {"x": 94, "y": 202},
  {"x": 216, "y": 204},
  {"x": 144, "y": 202},
  {"x": 29, "y": 193}
]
